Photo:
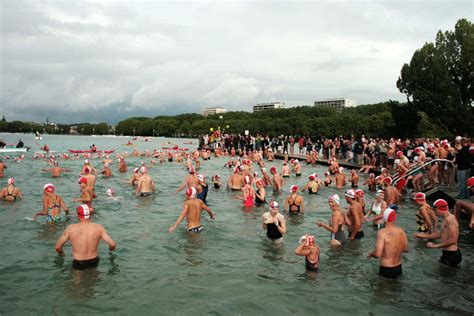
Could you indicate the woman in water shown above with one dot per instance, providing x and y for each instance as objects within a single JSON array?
[
  {"x": 274, "y": 222},
  {"x": 260, "y": 192},
  {"x": 248, "y": 193},
  {"x": 294, "y": 202},
  {"x": 336, "y": 223},
  {"x": 310, "y": 250},
  {"x": 54, "y": 202},
  {"x": 11, "y": 193},
  {"x": 377, "y": 209}
]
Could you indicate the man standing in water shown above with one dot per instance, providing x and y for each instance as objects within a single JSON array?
[
  {"x": 192, "y": 211},
  {"x": 355, "y": 216},
  {"x": 449, "y": 235},
  {"x": 391, "y": 242},
  {"x": 190, "y": 181},
  {"x": 145, "y": 186},
  {"x": 85, "y": 237},
  {"x": 56, "y": 170},
  {"x": 2, "y": 168}
]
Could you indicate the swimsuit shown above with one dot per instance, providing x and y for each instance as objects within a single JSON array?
[
  {"x": 393, "y": 206},
  {"x": 286, "y": 176},
  {"x": 9, "y": 194},
  {"x": 298, "y": 174},
  {"x": 293, "y": 211},
  {"x": 248, "y": 202},
  {"x": 54, "y": 219},
  {"x": 216, "y": 185},
  {"x": 420, "y": 221},
  {"x": 85, "y": 264},
  {"x": 203, "y": 195},
  {"x": 197, "y": 229},
  {"x": 311, "y": 266},
  {"x": 146, "y": 193},
  {"x": 258, "y": 200},
  {"x": 273, "y": 232},
  {"x": 451, "y": 257},
  {"x": 390, "y": 272},
  {"x": 339, "y": 235},
  {"x": 358, "y": 235}
]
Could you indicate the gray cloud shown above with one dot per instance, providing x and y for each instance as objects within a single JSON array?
[{"x": 93, "y": 61}]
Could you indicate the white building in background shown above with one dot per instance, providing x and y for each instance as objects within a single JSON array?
[
  {"x": 268, "y": 106},
  {"x": 213, "y": 110},
  {"x": 336, "y": 103}
]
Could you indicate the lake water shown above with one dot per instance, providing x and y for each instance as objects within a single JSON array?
[{"x": 230, "y": 268}]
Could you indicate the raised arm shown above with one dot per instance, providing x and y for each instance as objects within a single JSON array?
[{"x": 208, "y": 210}]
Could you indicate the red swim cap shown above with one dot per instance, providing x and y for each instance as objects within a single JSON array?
[
  {"x": 191, "y": 192},
  {"x": 441, "y": 205},
  {"x": 11, "y": 180},
  {"x": 399, "y": 153},
  {"x": 49, "y": 188},
  {"x": 83, "y": 211},
  {"x": 470, "y": 182},
  {"x": 83, "y": 180},
  {"x": 272, "y": 170},
  {"x": 359, "y": 193},
  {"x": 420, "y": 196},
  {"x": 294, "y": 188},
  {"x": 389, "y": 215},
  {"x": 387, "y": 180}
]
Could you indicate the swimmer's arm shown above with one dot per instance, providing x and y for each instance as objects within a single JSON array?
[
  {"x": 405, "y": 242},
  {"x": 427, "y": 217},
  {"x": 61, "y": 241},
  {"x": 435, "y": 235},
  {"x": 302, "y": 205},
  {"x": 299, "y": 251},
  {"x": 347, "y": 220},
  {"x": 44, "y": 212},
  {"x": 285, "y": 205},
  {"x": 181, "y": 187},
  {"x": 281, "y": 226},
  {"x": 65, "y": 208},
  {"x": 208, "y": 210},
  {"x": 264, "y": 225},
  {"x": 139, "y": 188},
  {"x": 153, "y": 186},
  {"x": 180, "y": 218},
  {"x": 378, "y": 247},
  {"x": 452, "y": 236},
  {"x": 106, "y": 237}
]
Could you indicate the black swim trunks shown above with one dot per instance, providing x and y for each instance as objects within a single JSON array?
[
  {"x": 451, "y": 258},
  {"x": 85, "y": 264},
  {"x": 391, "y": 272},
  {"x": 146, "y": 193},
  {"x": 286, "y": 176},
  {"x": 197, "y": 229},
  {"x": 298, "y": 175},
  {"x": 359, "y": 235}
]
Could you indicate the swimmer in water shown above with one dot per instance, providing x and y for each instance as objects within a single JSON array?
[
  {"x": 294, "y": 202},
  {"x": 2, "y": 168},
  {"x": 340, "y": 178},
  {"x": 355, "y": 216},
  {"x": 354, "y": 178},
  {"x": 192, "y": 211},
  {"x": 85, "y": 237},
  {"x": 54, "y": 202},
  {"x": 107, "y": 172},
  {"x": 236, "y": 181},
  {"x": 378, "y": 208},
  {"x": 336, "y": 223},
  {"x": 216, "y": 180},
  {"x": 86, "y": 195},
  {"x": 327, "y": 179},
  {"x": 426, "y": 219},
  {"x": 310, "y": 250},
  {"x": 260, "y": 192},
  {"x": 449, "y": 235},
  {"x": 312, "y": 186},
  {"x": 274, "y": 222},
  {"x": 371, "y": 183},
  {"x": 145, "y": 186},
  {"x": 190, "y": 181},
  {"x": 202, "y": 188},
  {"x": 391, "y": 242},
  {"x": 56, "y": 170},
  {"x": 277, "y": 180},
  {"x": 122, "y": 165},
  {"x": 248, "y": 193},
  {"x": 11, "y": 193}
]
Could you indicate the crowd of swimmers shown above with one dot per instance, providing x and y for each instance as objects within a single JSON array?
[{"x": 250, "y": 177}]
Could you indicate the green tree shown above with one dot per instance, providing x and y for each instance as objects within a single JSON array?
[{"x": 439, "y": 79}]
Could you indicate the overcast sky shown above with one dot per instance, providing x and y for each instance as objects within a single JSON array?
[{"x": 76, "y": 61}]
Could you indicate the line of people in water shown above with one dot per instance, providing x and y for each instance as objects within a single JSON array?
[{"x": 391, "y": 240}]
